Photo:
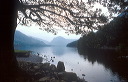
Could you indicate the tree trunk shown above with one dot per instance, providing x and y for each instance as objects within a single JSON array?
[{"x": 8, "y": 20}]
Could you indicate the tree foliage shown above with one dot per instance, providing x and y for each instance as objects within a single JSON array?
[{"x": 74, "y": 16}]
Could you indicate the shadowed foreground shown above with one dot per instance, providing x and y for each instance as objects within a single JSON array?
[{"x": 44, "y": 72}]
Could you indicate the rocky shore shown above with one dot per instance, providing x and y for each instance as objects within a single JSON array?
[
  {"x": 46, "y": 72},
  {"x": 33, "y": 70}
]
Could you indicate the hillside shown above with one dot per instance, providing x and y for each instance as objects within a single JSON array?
[
  {"x": 45, "y": 41},
  {"x": 60, "y": 41},
  {"x": 72, "y": 44},
  {"x": 111, "y": 36},
  {"x": 21, "y": 39}
]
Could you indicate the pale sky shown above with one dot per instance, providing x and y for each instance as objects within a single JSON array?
[{"x": 36, "y": 32}]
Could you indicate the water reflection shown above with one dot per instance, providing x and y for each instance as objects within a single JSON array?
[
  {"x": 60, "y": 51},
  {"x": 110, "y": 60}
]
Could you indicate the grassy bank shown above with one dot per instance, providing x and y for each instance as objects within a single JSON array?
[{"x": 22, "y": 53}]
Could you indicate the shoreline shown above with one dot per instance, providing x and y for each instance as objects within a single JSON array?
[{"x": 45, "y": 72}]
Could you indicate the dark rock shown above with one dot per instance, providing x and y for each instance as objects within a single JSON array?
[
  {"x": 68, "y": 76},
  {"x": 44, "y": 72},
  {"x": 38, "y": 75},
  {"x": 44, "y": 79},
  {"x": 36, "y": 67},
  {"x": 83, "y": 74},
  {"x": 60, "y": 66},
  {"x": 53, "y": 68},
  {"x": 46, "y": 66}
]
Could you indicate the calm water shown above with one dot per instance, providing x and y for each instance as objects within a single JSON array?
[{"x": 94, "y": 69}]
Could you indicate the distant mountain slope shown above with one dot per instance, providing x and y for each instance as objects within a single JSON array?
[
  {"x": 21, "y": 39},
  {"x": 45, "y": 41},
  {"x": 60, "y": 41},
  {"x": 72, "y": 44}
]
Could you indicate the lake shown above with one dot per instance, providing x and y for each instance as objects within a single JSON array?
[{"x": 98, "y": 68}]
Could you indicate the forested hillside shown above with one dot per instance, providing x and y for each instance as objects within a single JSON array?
[
  {"x": 111, "y": 36},
  {"x": 72, "y": 44}
]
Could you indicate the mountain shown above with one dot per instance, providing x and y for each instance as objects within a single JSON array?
[
  {"x": 21, "y": 39},
  {"x": 60, "y": 41},
  {"x": 45, "y": 41},
  {"x": 72, "y": 44}
]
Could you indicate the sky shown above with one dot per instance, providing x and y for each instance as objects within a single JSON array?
[{"x": 34, "y": 31}]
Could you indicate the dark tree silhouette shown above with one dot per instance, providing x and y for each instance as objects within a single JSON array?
[
  {"x": 8, "y": 66},
  {"x": 74, "y": 16}
]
